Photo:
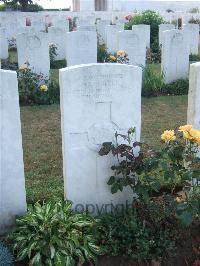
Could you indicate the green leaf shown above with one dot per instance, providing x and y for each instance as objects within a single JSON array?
[
  {"x": 186, "y": 218},
  {"x": 36, "y": 260},
  {"x": 111, "y": 180}
]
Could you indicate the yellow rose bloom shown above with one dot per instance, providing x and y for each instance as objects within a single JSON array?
[
  {"x": 23, "y": 67},
  {"x": 121, "y": 53},
  {"x": 192, "y": 134},
  {"x": 178, "y": 199},
  {"x": 168, "y": 135},
  {"x": 113, "y": 58},
  {"x": 44, "y": 88},
  {"x": 185, "y": 128},
  {"x": 197, "y": 140}
]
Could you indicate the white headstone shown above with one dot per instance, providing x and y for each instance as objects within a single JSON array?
[
  {"x": 63, "y": 24},
  {"x": 34, "y": 49},
  {"x": 96, "y": 101},
  {"x": 58, "y": 36},
  {"x": 38, "y": 25},
  {"x": 112, "y": 36},
  {"x": 164, "y": 27},
  {"x": 175, "y": 55},
  {"x": 193, "y": 114},
  {"x": 101, "y": 29},
  {"x": 81, "y": 47},
  {"x": 3, "y": 44},
  {"x": 86, "y": 28},
  {"x": 192, "y": 34},
  {"x": 134, "y": 44},
  {"x": 12, "y": 181},
  {"x": 145, "y": 31}
]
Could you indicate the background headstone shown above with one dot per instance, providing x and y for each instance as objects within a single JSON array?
[
  {"x": 34, "y": 49},
  {"x": 164, "y": 27},
  {"x": 3, "y": 44},
  {"x": 81, "y": 47},
  {"x": 175, "y": 55},
  {"x": 145, "y": 31},
  {"x": 112, "y": 36},
  {"x": 192, "y": 34},
  {"x": 58, "y": 36},
  {"x": 133, "y": 42}
]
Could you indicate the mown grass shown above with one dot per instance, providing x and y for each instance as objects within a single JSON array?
[{"x": 42, "y": 140}]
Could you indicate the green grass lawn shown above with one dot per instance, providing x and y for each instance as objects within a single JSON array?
[{"x": 42, "y": 140}]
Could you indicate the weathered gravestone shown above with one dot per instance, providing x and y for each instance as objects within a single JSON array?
[
  {"x": 144, "y": 31},
  {"x": 34, "y": 49},
  {"x": 134, "y": 44},
  {"x": 193, "y": 115},
  {"x": 12, "y": 181},
  {"x": 111, "y": 37},
  {"x": 96, "y": 101},
  {"x": 81, "y": 47},
  {"x": 3, "y": 44},
  {"x": 192, "y": 34},
  {"x": 58, "y": 36},
  {"x": 173, "y": 64},
  {"x": 164, "y": 27}
]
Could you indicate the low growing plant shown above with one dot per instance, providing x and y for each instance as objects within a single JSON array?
[
  {"x": 35, "y": 88},
  {"x": 125, "y": 233},
  {"x": 53, "y": 234}
]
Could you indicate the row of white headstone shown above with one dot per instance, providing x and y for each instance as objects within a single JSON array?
[
  {"x": 96, "y": 101},
  {"x": 80, "y": 47}
]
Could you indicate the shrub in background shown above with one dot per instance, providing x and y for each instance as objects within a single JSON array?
[
  {"x": 150, "y": 18},
  {"x": 53, "y": 234},
  {"x": 6, "y": 258},
  {"x": 35, "y": 88}
]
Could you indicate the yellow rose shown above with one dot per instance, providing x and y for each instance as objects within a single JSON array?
[
  {"x": 168, "y": 135},
  {"x": 44, "y": 88},
  {"x": 197, "y": 140},
  {"x": 185, "y": 128},
  {"x": 178, "y": 199},
  {"x": 121, "y": 53},
  {"x": 192, "y": 134},
  {"x": 23, "y": 67},
  {"x": 112, "y": 57}
]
